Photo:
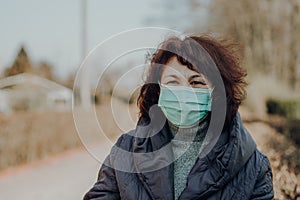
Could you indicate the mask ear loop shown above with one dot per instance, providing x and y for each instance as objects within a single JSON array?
[
  {"x": 211, "y": 95},
  {"x": 161, "y": 85},
  {"x": 211, "y": 91}
]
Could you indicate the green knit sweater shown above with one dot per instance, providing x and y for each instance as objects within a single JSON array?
[{"x": 186, "y": 146}]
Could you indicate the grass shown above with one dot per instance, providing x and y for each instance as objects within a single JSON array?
[{"x": 30, "y": 136}]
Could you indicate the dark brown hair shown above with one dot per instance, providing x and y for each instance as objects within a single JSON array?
[{"x": 199, "y": 53}]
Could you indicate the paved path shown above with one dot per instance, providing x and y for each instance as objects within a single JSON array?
[{"x": 64, "y": 177}]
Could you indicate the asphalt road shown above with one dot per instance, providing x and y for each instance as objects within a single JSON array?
[{"x": 66, "y": 176}]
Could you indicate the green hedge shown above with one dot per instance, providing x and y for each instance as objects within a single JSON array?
[
  {"x": 286, "y": 108},
  {"x": 290, "y": 109}
]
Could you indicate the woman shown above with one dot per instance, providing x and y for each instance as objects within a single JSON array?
[{"x": 189, "y": 142}]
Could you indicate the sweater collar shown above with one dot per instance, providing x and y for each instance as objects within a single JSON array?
[{"x": 192, "y": 134}]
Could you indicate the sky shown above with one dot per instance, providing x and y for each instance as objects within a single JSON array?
[{"x": 51, "y": 30}]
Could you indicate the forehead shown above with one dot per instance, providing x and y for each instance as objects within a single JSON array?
[{"x": 173, "y": 67}]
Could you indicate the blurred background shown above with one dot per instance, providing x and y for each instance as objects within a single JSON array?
[{"x": 43, "y": 43}]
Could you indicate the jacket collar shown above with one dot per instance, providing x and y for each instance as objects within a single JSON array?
[
  {"x": 209, "y": 174},
  {"x": 153, "y": 158},
  {"x": 222, "y": 163}
]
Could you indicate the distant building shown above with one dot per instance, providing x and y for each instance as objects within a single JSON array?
[
  {"x": 30, "y": 92},
  {"x": 4, "y": 106}
]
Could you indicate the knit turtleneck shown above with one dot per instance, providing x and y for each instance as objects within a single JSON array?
[{"x": 186, "y": 146}]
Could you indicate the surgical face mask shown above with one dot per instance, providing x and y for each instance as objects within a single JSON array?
[{"x": 184, "y": 106}]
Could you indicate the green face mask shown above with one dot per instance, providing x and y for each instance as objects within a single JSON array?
[{"x": 184, "y": 106}]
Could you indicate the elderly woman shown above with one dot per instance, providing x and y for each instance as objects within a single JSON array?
[{"x": 189, "y": 142}]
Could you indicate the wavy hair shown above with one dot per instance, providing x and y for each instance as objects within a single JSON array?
[{"x": 197, "y": 53}]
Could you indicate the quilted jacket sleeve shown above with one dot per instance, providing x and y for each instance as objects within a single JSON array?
[
  {"x": 263, "y": 189},
  {"x": 106, "y": 186}
]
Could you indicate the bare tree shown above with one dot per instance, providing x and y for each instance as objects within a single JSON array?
[
  {"x": 294, "y": 30},
  {"x": 21, "y": 64},
  {"x": 268, "y": 31},
  {"x": 45, "y": 70}
]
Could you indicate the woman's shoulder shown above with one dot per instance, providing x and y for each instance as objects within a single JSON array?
[
  {"x": 262, "y": 161},
  {"x": 125, "y": 141}
]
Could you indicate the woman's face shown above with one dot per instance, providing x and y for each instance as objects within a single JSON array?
[{"x": 176, "y": 74}]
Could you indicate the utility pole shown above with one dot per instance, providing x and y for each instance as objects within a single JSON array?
[
  {"x": 85, "y": 90},
  {"x": 84, "y": 28}
]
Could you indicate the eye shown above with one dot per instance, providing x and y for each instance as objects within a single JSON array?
[
  {"x": 195, "y": 83},
  {"x": 172, "y": 82}
]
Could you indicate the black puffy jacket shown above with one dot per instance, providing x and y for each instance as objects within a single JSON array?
[{"x": 233, "y": 169}]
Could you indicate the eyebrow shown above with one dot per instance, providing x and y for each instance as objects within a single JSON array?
[{"x": 173, "y": 76}]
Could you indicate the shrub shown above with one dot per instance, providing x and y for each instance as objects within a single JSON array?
[{"x": 289, "y": 108}]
